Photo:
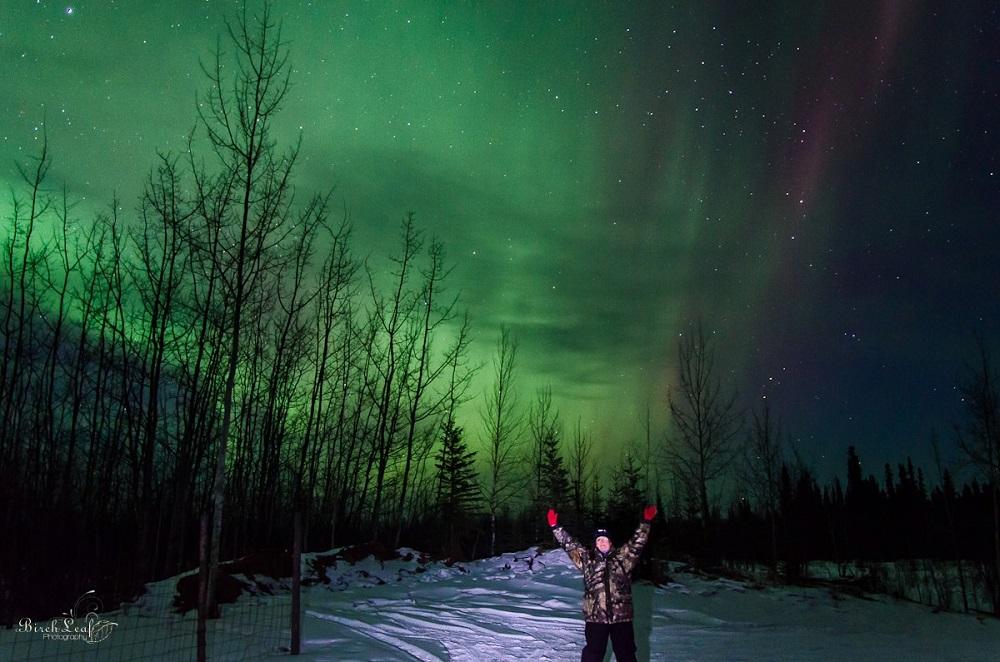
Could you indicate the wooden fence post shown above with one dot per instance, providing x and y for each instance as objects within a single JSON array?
[
  {"x": 297, "y": 586},
  {"x": 202, "y": 586}
]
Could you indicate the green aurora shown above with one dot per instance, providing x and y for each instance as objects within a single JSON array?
[{"x": 604, "y": 176}]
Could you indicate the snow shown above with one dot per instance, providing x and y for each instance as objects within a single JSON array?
[
  {"x": 502, "y": 609},
  {"x": 526, "y": 606}
]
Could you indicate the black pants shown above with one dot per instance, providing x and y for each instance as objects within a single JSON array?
[{"x": 622, "y": 641}]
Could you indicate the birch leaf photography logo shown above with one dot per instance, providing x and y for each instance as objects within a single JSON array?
[{"x": 83, "y": 622}]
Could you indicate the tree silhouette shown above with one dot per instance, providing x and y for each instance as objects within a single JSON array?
[
  {"x": 581, "y": 471},
  {"x": 545, "y": 482},
  {"x": 503, "y": 425},
  {"x": 555, "y": 478},
  {"x": 627, "y": 496},
  {"x": 979, "y": 439},
  {"x": 458, "y": 490},
  {"x": 706, "y": 422},
  {"x": 247, "y": 237},
  {"x": 761, "y": 468}
]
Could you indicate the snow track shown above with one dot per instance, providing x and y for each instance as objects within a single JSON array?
[
  {"x": 471, "y": 624},
  {"x": 506, "y": 608}
]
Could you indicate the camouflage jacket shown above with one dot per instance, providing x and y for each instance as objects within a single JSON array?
[{"x": 607, "y": 584}]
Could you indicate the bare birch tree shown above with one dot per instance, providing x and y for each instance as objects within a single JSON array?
[
  {"x": 706, "y": 422},
  {"x": 979, "y": 439},
  {"x": 761, "y": 472},
  {"x": 236, "y": 115},
  {"x": 502, "y": 425}
]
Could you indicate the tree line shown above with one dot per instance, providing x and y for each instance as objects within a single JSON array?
[
  {"x": 216, "y": 348},
  {"x": 776, "y": 512}
]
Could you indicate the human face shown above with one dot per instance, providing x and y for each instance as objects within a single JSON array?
[{"x": 603, "y": 544}]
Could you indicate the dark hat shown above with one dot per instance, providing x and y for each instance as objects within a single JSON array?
[{"x": 602, "y": 532}]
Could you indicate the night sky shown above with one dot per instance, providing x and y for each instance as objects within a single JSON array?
[{"x": 816, "y": 181}]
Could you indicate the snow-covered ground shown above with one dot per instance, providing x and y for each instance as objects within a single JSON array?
[
  {"x": 500, "y": 609},
  {"x": 526, "y": 606}
]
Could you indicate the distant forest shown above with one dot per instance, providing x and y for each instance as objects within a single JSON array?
[{"x": 217, "y": 347}]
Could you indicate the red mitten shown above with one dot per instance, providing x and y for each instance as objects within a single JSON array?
[
  {"x": 553, "y": 517},
  {"x": 649, "y": 513}
]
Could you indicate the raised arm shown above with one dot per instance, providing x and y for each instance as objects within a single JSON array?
[
  {"x": 633, "y": 548},
  {"x": 574, "y": 550}
]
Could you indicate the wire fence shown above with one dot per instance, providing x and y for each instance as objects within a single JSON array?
[{"x": 258, "y": 610}]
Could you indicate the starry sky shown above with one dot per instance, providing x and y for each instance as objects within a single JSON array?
[{"x": 815, "y": 181}]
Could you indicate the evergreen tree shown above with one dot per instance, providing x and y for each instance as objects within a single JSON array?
[
  {"x": 862, "y": 510},
  {"x": 838, "y": 493},
  {"x": 853, "y": 473},
  {"x": 549, "y": 480},
  {"x": 627, "y": 497},
  {"x": 595, "y": 508},
  {"x": 785, "y": 491},
  {"x": 948, "y": 486},
  {"x": 457, "y": 487},
  {"x": 890, "y": 488},
  {"x": 555, "y": 478}
]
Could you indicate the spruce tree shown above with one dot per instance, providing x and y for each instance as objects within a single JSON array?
[
  {"x": 457, "y": 488},
  {"x": 555, "y": 478},
  {"x": 595, "y": 508},
  {"x": 627, "y": 498}
]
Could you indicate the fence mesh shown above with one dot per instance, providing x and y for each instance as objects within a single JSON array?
[
  {"x": 255, "y": 620},
  {"x": 242, "y": 633},
  {"x": 255, "y": 627}
]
